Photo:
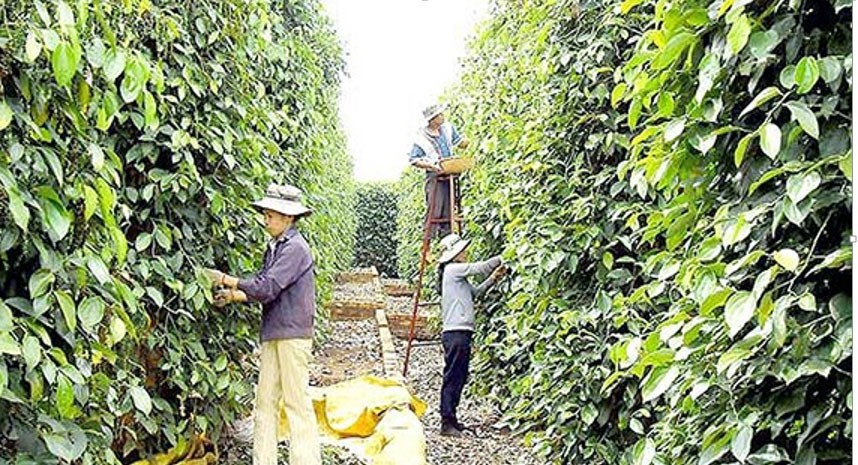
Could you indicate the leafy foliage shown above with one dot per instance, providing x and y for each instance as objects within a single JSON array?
[
  {"x": 376, "y": 205},
  {"x": 134, "y": 135},
  {"x": 671, "y": 184}
]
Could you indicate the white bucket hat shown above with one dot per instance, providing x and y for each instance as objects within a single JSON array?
[
  {"x": 284, "y": 199},
  {"x": 433, "y": 110},
  {"x": 453, "y": 245}
]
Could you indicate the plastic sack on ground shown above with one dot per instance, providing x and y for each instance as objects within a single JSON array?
[{"x": 375, "y": 418}]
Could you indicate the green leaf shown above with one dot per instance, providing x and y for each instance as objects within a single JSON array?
[
  {"x": 96, "y": 156},
  {"x": 799, "y": 186},
  {"x": 65, "y": 16},
  {"x": 98, "y": 269},
  {"x": 628, "y": 5},
  {"x": 739, "y": 33},
  {"x": 32, "y": 49},
  {"x": 90, "y": 313},
  {"x": 806, "y": 74},
  {"x": 120, "y": 242},
  {"x": 658, "y": 382},
  {"x": 6, "y": 114},
  {"x": 117, "y": 329},
  {"x": 90, "y": 202},
  {"x": 739, "y": 310},
  {"x": 9, "y": 345},
  {"x": 617, "y": 94},
  {"x": 714, "y": 301},
  {"x": 806, "y": 119},
  {"x": 787, "y": 76},
  {"x": 762, "y": 43},
  {"x": 40, "y": 281},
  {"x": 64, "y": 61},
  {"x": 796, "y": 213},
  {"x": 764, "y": 96},
  {"x": 741, "y": 443},
  {"x": 675, "y": 46},
  {"x": 644, "y": 452},
  {"x": 141, "y": 399},
  {"x": 55, "y": 217},
  {"x": 114, "y": 64},
  {"x": 136, "y": 76},
  {"x": 829, "y": 69},
  {"x": 65, "y": 397},
  {"x": 787, "y": 258},
  {"x": 32, "y": 352},
  {"x": 742, "y": 148},
  {"x": 736, "y": 231},
  {"x": 674, "y": 129},
  {"x": 608, "y": 260},
  {"x": 807, "y": 302},
  {"x": 150, "y": 111},
  {"x": 731, "y": 357},
  {"x": 63, "y": 447},
  {"x": 770, "y": 140},
  {"x": 6, "y": 323},
  {"x": 67, "y": 306}
]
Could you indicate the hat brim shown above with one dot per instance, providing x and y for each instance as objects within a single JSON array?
[
  {"x": 284, "y": 207},
  {"x": 437, "y": 112},
  {"x": 456, "y": 250}
]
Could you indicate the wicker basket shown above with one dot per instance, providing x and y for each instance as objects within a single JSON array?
[{"x": 456, "y": 165}]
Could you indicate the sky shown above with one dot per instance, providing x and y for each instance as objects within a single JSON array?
[{"x": 400, "y": 57}]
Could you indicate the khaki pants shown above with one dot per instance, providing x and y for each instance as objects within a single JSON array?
[{"x": 284, "y": 374}]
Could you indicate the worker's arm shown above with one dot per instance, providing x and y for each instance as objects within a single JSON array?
[
  {"x": 496, "y": 275},
  {"x": 459, "y": 141},
  {"x": 417, "y": 157}
]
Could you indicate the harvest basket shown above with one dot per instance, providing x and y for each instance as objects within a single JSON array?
[{"x": 456, "y": 165}]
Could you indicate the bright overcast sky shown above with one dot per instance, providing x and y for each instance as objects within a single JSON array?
[{"x": 400, "y": 56}]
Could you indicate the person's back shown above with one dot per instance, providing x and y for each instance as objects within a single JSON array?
[{"x": 457, "y": 293}]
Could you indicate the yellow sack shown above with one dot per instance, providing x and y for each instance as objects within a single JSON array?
[{"x": 375, "y": 418}]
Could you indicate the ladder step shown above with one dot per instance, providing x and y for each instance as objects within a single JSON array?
[{"x": 428, "y": 304}]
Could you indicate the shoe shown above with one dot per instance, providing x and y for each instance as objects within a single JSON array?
[
  {"x": 448, "y": 428},
  {"x": 464, "y": 428}
]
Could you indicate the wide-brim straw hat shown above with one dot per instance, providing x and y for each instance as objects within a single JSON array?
[
  {"x": 285, "y": 199},
  {"x": 453, "y": 245},
  {"x": 433, "y": 111}
]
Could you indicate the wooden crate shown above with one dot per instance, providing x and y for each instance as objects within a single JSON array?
[
  {"x": 358, "y": 276},
  {"x": 400, "y": 325},
  {"x": 354, "y": 310},
  {"x": 397, "y": 288}
]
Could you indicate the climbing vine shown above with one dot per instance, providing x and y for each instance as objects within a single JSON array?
[
  {"x": 671, "y": 184},
  {"x": 376, "y": 207},
  {"x": 133, "y": 136}
]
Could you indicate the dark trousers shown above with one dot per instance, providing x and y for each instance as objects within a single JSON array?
[
  {"x": 442, "y": 204},
  {"x": 457, "y": 359}
]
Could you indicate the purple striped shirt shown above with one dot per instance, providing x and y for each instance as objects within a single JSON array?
[{"x": 286, "y": 288}]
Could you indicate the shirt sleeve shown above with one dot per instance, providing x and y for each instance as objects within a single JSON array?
[
  {"x": 416, "y": 154},
  {"x": 463, "y": 270},
  {"x": 291, "y": 263},
  {"x": 455, "y": 136},
  {"x": 484, "y": 286}
]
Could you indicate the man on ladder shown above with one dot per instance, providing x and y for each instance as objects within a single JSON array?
[{"x": 433, "y": 143}]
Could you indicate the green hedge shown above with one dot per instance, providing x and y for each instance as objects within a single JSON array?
[
  {"x": 377, "y": 207},
  {"x": 670, "y": 182},
  {"x": 133, "y": 136}
]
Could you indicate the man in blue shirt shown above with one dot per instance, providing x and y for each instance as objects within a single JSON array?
[{"x": 433, "y": 143}]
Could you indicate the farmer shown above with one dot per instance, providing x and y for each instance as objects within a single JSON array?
[
  {"x": 457, "y": 311},
  {"x": 433, "y": 143},
  {"x": 286, "y": 288}
]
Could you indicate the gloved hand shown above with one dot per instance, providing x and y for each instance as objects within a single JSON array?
[
  {"x": 226, "y": 296},
  {"x": 214, "y": 276}
]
